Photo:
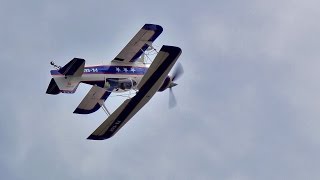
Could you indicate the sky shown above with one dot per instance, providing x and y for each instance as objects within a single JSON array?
[{"x": 248, "y": 102}]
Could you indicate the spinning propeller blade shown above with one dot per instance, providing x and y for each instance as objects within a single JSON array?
[
  {"x": 172, "y": 99},
  {"x": 177, "y": 73}
]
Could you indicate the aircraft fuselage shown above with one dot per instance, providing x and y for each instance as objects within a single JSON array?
[{"x": 116, "y": 77}]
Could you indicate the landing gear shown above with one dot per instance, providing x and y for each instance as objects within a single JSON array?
[{"x": 105, "y": 109}]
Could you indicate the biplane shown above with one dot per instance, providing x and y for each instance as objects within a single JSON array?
[{"x": 128, "y": 71}]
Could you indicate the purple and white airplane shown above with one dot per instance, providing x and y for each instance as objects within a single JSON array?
[{"x": 127, "y": 71}]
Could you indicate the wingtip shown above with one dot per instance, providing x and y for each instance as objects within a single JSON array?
[
  {"x": 171, "y": 49},
  {"x": 95, "y": 137},
  {"x": 154, "y": 27}
]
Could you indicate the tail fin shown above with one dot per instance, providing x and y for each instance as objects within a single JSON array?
[{"x": 67, "y": 78}]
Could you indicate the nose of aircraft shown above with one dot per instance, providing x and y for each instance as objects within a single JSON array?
[{"x": 172, "y": 84}]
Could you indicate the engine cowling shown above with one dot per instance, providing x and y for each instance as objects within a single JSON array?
[{"x": 165, "y": 84}]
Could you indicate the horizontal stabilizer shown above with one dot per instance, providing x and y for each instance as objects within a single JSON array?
[
  {"x": 74, "y": 68},
  {"x": 53, "y": 88}
]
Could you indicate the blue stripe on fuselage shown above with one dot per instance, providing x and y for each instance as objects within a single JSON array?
[{"x": 129, "y": 70}]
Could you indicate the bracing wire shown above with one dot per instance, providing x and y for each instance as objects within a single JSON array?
[{"x": 149, "y": 52}]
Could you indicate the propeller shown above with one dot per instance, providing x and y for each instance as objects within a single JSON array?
[
  {"x": 177, "y": 73},
  {"x": 172, "y": 99}
]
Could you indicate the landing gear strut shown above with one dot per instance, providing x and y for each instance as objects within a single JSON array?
[{"x": 105, "y": 109}]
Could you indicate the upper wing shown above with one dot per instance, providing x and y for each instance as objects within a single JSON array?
[
  {"x": 93, "y": 100},
  {"x": 139, "y": 43},
  {"x": 151, "y": 82}
]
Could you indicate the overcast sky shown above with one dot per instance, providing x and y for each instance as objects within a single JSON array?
[{"x": 248, "y": 102}]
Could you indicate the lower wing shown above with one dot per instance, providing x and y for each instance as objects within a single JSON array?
[
  {"x": 93, "y": 100},
  {"x": 148, "y": 86}
]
